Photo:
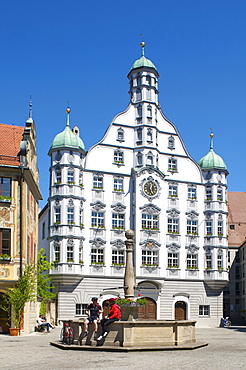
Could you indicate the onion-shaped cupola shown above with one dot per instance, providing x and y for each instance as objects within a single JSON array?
[
  {"x": 212, "y": 161},
  {"x": 143, "y": 62},
  {"x": 67, "y": 138}
]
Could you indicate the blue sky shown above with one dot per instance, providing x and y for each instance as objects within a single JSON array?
[{"x": 82, "y": 52}]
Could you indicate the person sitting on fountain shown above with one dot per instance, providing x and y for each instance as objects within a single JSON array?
[
  {"x": 93, "y": 310},
  {"x": 114, "y": 315}
]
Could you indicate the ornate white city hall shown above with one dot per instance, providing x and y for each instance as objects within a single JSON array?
[{"x": 139, "y": 176}]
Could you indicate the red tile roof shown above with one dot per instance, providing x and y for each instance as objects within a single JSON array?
[
  {"x": 10, "y": 138},
  {"x": 237, "y": 217}
]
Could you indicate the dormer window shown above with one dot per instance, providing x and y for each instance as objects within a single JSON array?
[
  {"x": 171, "y": 144},
  {"x": 120, "y": 135}
]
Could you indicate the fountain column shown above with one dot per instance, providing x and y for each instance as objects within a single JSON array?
[{"x": 129, "y": 278}]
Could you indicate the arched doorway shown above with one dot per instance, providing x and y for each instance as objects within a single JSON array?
[
  {"x": 148, "y": 311},
  {"x": 180, "y": 310}
]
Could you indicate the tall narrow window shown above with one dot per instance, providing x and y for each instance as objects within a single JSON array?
[
  {"x": 139, "y": 94},
  {"x": 150, "y": 160},
  {"x": 70, "y": 215},
  {"x": 139, "y": 159},
  {"x": 148, "y": 80},
  {"x": 70, "y": 177},
  {"x": 57, "y": 215},
  {"x": 192, "y": 193},
  {"x": 70, "y": 257},
  {"x": 209, "y": 193},
  {"x": 173, "y": 191},
  {"x": 148, "y": 94},
  {"x": 149, "y": 111},
  {"x": 220, "y": 228},
  {"x": 208, "y": 261},
  {"x": 209, "y": 227},
  {"x": 43, "y": 230},
  {"x": 149, "y": 136},
  {"x": 220, "y": 261},
  {"x": 80, "y": 254},
  {"x": 139, "y": 80},
  {"x": 5, "y": 241},
  {"x": 220, "y": 194},
  {"x": 58, "y": 177},
  {"x": 139, "y": 111},
  {"x": 139, "y": 135},
  {"x": 5, "y": 183},
  {"x": 57, "y": 252}
]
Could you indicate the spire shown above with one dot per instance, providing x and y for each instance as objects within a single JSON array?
[
  {"x": 30, "y": 107},
  {"x": 211, "y": 140},
  {"x": 68, "y": 110},
  {"x": 142, "y": 46}
]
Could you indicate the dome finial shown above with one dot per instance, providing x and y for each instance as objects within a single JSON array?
[
  {"x": 142, "y": 44},
  {"x": 68, "y": 110},
  {"x": 211, "y": 138}
]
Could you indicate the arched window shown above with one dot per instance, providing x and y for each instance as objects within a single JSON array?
[
  {"x": 150, "y": 160},
  {"x": 120, "y": 134},
  {"x": 139, "y": 110},
  {"x": 171, "y": 144},
  {"x": 139, "y": 135},
  {"x": 140, "y": 159}
]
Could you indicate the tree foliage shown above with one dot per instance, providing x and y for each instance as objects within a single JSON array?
[
  {"x": 23, "y": 292},
  {"x": 43, "y": 279}
]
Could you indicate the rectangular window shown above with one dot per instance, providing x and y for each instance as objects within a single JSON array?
[
  {"x": 80, "y": 254},
  {"x": 118, "y": 184},
  {"x": 118, "y": 257},
  {"x": 5, "y": 246},
  {"x": 58, "y": 177},
  {"x": 149, "y": 257},
  {"x": 57, "y": 253},
  {"x": 204, "y": 310},
  {"x": 70, "y": 177},
  {"x": 192, "y": 261},
  {"x": 220, "y": 194},
  {"x": 150, "y": 221},
  {"x": 192, "y": 227},
  {"x": 70, "y": 215},
  {"x": 5, "y": 187},
  {"x": 43, "y": 230},
  {"x": 173, "y": 225},
  {"x": 173, "y": 191},
  {"x": 209, "y": 227},
  {"x": 118, "y": 157},
  {"x": 97, "y": 182},
  {"x": 220, "y": 228},
  {"x": 191, "y": 193},
  {"x": 149, "y": 136},
  {"x": 149, "y": 112},
  {"x": 70, "y": 253},
  {"x": 139, "y": 109},
  {"x": 118, "y": 221},
  {"x": 97, "y": 219},
  {"x": 80, "y": 308},
  {"x": 139, "y": 135},
  {"x": 97, "y": 256},
  {"x": 208, "y": 261},
  {"x": 57, "y": 215},
  {"x": 172, "y": 260},
  {"x": 220, "y": 261},
  {"x": 208, "y": 193},
  {"x": 237, "y": 288},
  {"x": 172, "y": 164}
]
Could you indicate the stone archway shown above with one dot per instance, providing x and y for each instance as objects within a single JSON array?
[
  {"x": 148, "y": 311},
  {"x": 180, "y": 310}
]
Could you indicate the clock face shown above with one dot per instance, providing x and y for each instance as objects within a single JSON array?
[{"x": 150, "y": 188}]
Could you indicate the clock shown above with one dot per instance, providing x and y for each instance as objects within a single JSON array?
[{"x": 150, "y": 188}]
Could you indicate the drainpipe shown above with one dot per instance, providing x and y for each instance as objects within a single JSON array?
[{"x": 21, "y": 223}]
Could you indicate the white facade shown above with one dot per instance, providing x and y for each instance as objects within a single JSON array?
[{"x": 139, "y": 177}]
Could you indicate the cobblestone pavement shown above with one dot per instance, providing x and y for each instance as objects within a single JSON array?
[{"x": 226, "y": 350}]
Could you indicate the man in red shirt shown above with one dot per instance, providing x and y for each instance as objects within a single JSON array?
[{"x": 114, "y": 315}]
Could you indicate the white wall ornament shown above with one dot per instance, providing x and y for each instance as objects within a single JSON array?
[
  {"x": 98, "y": 205},
  {"x": 97, "y": 242}
]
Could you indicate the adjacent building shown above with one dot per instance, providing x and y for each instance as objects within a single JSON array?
[
  {"x": 139, "y": 176},
  {"x": 19, "y": 196}
]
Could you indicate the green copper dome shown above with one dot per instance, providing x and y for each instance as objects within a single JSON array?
[
  {"x": 143, "y": 62},
  {"x": 212, "y": 160},
  {"x": 67, "y": 138}
]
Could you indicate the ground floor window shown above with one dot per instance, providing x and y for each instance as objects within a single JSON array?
[
  {"x": 204, "y": 310},
  {"x": 80, "y": 309}
]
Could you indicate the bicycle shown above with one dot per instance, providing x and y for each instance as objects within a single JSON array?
[
  {"x": 66, "y": 335},
  {"x": 227, "y": 322}
]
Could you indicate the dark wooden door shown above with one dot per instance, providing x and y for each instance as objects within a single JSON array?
[
  {"x": 180, "y": 310},
  {"x": 148, "y": 311}
]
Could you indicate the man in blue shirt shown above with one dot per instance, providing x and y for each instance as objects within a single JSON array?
[{"x": 93, "y": 311}]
